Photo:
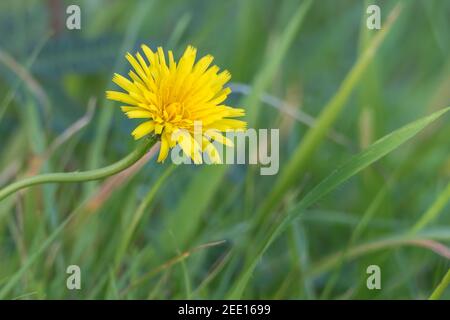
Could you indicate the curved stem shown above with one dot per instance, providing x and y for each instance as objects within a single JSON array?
[{"x": 83, "y": 175}]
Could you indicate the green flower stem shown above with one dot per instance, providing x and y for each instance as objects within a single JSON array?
[{"x": 83, "y": 176}]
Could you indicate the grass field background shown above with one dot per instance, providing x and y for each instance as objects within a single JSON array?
[{"x": 159, "y": 231}]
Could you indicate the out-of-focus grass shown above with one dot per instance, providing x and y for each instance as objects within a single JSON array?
[{"x": 193, "y": 232}]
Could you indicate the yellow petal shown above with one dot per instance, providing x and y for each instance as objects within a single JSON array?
[
  {"x": 143, "y": 129},
  {"x": 121, "y": 97},
  {"x": 137, "y": 67},
  {"x": 164, "y": 149},
  {"x": 221, "y": 96},
  {"x": 130, "y": 108},
  {"x": 172, "y": 64},
  {"x": 158, "y": 128},
  {"x": 139, "y": 114},
  {"x": 143, "y": 64},
  {"x": 203, "y": 64},
  {"x": 123, "y": 82},
  {"x": 149, "y": 54}
]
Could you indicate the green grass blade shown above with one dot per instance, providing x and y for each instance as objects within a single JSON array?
[
  {"x": 434, "y": 210},
  {"x": 437, "y": 293},
  {"x": 179, "y": 30}
]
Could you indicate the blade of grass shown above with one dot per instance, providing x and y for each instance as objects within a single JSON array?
[
  {"x": 300, "y": 251},
  {"x": 434, "y": 210},
  {"x": 187, "y": 280},
  {"x": 437, "y": 293},
  {"x": 178, "y": 31},
  {"x": 214, "y": 271},
  {"x": 369, "y": 89}
]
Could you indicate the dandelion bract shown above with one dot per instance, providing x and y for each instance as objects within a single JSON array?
[{"x": 174, "y": 97}]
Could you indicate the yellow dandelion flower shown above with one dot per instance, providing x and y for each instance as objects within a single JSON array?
[{"x": 175, "y": 97}]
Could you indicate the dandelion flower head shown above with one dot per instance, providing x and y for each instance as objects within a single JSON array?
[{"x": 172, "y": 97}]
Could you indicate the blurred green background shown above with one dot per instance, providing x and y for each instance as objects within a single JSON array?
[{"x": 163, "y": 232}]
